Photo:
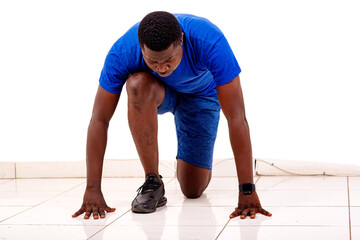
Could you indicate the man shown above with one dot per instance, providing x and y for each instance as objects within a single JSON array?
[{"x": 181, "y": 64}]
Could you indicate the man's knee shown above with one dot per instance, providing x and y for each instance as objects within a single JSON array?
[
  {"x": 193, "y": 179},
  {"x": 143, "y": 88},
  {"x": 138, "y": 84},
  {"x": 191, "y": 192}
]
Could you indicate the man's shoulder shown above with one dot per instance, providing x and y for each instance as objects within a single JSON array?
[
  {"x": 199, "y": 28},
  {"x": 128, "y": 44},
  {"x": 130, "y": 36},
  {"x": 189, "y": 20}
]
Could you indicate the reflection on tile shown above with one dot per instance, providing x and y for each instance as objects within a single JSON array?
[
  {"x": 184, "y": 216},
  {"x": 158, "y": 232},
  {"x": 301, "y": 183},
  {"x": 285, "y": 233},
  {"x": 57, "y": 232},
  {"x": 208, "y": 198},
  {"x": 298, "y": 216}
]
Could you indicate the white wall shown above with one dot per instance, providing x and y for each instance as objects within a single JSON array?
[{"x": 300, "y": 67}]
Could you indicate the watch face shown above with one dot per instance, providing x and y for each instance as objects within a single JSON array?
[{"x": 247, "y": 188}]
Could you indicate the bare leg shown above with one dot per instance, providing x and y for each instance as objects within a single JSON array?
[
  {"x": 145, "y": 95},
  {"x": 193, "y": 179}
]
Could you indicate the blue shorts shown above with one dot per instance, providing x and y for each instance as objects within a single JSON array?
[{"x": 196, "y": 121}]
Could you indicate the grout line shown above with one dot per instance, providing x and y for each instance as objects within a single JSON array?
[
  {"x": 348, "y": 192},
  {"x": 15, "y": 170},
  {"x": 33, "y": 206},
  {"x": 222, "y": 229},
  {"x": 170, "y": 181},
  {"x": 109, "y": 224},
  {"x": 173, "y": 178},
  {"x": 258, "y": 178}
]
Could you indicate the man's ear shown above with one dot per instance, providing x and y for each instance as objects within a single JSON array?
[{"x": 182, "y": 35}]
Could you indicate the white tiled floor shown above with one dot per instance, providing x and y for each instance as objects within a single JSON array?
[{"x": 302, "y": 208}]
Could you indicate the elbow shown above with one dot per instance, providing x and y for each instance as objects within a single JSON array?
[{"x": 236, "y": 118}]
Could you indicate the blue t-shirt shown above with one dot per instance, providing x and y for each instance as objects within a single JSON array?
[{"x": 207, "y": 61}]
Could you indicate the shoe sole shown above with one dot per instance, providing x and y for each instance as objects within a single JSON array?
[{"x": 161, "y": 203}]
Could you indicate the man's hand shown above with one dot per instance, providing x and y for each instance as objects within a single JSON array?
[
  {"x": 249, "y": 205},
  {"x": 94, "y": 203}
]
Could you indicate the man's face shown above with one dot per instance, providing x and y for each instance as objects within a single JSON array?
[{"x": 164, "y": 62}]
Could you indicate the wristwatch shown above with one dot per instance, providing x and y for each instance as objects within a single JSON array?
[{"x": 247, "y": 188}]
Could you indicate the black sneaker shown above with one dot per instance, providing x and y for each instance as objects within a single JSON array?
[{"x": 150, "y": 195}]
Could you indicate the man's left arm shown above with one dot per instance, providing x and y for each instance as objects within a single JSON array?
[{"x": 232, "y": 104}]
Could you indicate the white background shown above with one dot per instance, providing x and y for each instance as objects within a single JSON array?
[{"x": 300, "y": 71}]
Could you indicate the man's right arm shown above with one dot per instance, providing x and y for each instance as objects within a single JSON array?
[{"x": 104, "y": 108}]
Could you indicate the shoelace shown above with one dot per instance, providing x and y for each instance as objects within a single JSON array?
[{"x": 149, "y": 185}]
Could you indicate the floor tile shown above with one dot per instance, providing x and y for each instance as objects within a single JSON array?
[
  {"x": 304, "y": 198},
  {"x": 56, "y": 232},
  {"x": 6, "y": 212},
  {"x": 4, "y": 181},
  {"x": 355, "y": 198},
  {"x": 298, "y": 216},
  {"x": 285, "y": 233},
  {"x": 355, "y": 233},
  {"x": 182, "y": 216},
  {"x": 354, "y": 183},
  {"x": 59, "y": 210},
  {"x": 150, "y": 232},
  {"x": 25, "y": 198},
  {"x": 355, "y": 216},
  {"x": 301, "y": 183},
  {"x": 302, "y": 208}
]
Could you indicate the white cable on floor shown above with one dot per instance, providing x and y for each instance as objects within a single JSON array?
[
  {"x": 293, "y": 173},
  {"x": 305, "y": 168}
]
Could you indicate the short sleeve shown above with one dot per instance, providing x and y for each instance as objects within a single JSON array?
[
  {"x": 221, "y": 62},
  {"x": 123, "y": 59},
  {"x": 114, "y": 74}
]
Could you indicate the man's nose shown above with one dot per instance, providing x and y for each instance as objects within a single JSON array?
[{"x": 162, "y": 68}]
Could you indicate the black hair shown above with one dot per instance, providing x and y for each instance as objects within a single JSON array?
[{"x": 158, "y": 30}]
